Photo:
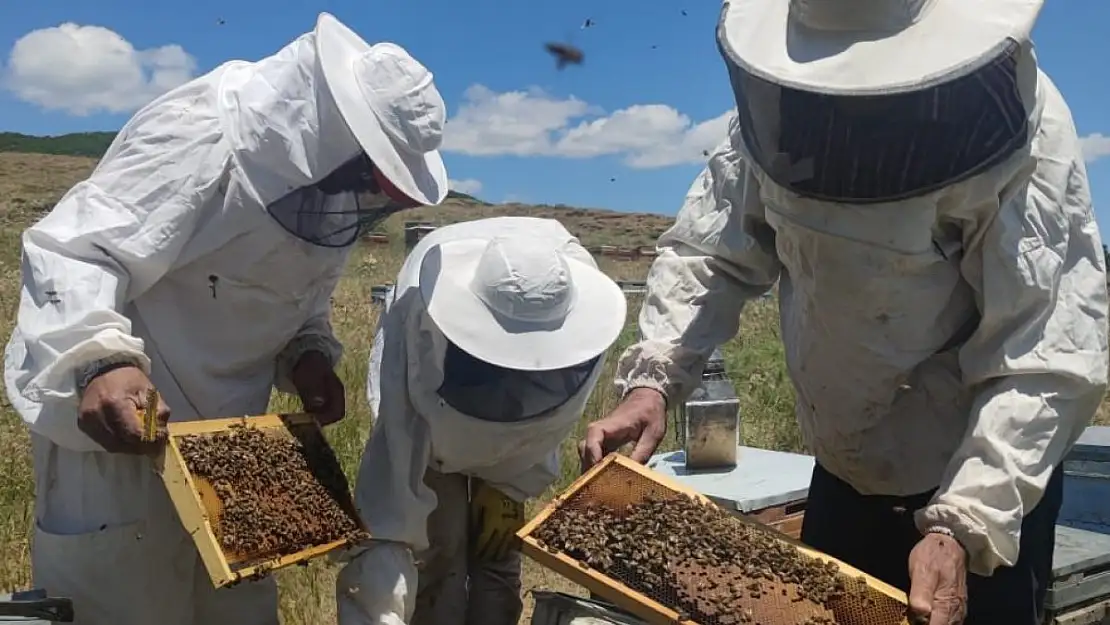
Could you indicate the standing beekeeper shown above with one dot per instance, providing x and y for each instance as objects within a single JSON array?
[
  {"x": 199, "y": 257},
  {"x": 915, "y": 184},
  {"x": 492, "y": 342}
]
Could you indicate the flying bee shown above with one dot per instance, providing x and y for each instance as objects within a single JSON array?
[{"x": 564, "y": 54}]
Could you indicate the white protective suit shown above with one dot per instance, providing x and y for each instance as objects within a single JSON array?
[
  {"x": 166, "y": 255},
  {"x": 414, "y": 431},
  {"x": 869, "y": 295}
]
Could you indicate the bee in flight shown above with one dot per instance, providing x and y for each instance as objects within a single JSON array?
[{"x": 564, "y": 54}]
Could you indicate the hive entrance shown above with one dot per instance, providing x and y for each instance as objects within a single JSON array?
[
  {"x": 665, "y": 555},
  {"x": 269, "y": 493}
]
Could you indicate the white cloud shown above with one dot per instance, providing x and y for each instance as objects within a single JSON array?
[
  {"x": 533, "y": 123},
  {"x": 90, "y": 69},
  {"x": 1095, "y": 146},
  {"x": 468, "y": 186}
]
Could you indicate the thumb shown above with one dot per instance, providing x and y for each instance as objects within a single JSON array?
[
  {"x": 163, "y": 411},
  {"x": 591, "y": 447},
  {"x": 922, "y": 590}
]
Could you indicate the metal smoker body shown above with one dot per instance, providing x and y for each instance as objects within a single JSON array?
[{"x": 708, "y": 424}]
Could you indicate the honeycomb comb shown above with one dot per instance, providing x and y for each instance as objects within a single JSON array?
[{"x": 688, "y": 592}]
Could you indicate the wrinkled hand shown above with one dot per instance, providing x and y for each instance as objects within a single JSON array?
[
  {"x": 320, "y": 389},
  {"x": 495, "y": 519},
  {"x": 640, "y": 418},
  {"x": 938, "y": 581},
  {"x": 111, "y": 412}
]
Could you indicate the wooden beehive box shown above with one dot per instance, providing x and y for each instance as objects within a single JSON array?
[
  {"x": 198, "y": 505},
  {"x": 617, "y": 482}
]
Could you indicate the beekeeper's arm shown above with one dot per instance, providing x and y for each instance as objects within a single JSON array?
[
  {"x": 1039, "y": 358},
  {"x": 719, "y": 254},
  {"x": 107, "y": 241},
  {"x": 315, "y": 335}
]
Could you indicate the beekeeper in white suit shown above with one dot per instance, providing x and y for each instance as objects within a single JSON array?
[
  {"x": 199, "y": 257},
  {"x": 484, "y": 359},
  {"x": 916, "y": 186}
]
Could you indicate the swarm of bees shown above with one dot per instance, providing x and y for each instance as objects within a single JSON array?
[
  {"x": 278, "y": 494},
  {"x": 702, "y": 563}
]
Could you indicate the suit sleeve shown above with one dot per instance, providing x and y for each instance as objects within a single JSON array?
[
  {"x": 719, "y": 254},
  {"x": 1038, "y": 360}
]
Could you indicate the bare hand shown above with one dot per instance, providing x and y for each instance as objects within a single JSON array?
[
  {"x": 111, "y": 412},
  {"x": 640, "y": 418},
  {"x": 320, "y": 389},
  {"x": 938, "y": 581}
]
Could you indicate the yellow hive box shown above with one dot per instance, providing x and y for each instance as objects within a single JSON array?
[
  {"x": 198, "y": 506},
  {"x": 617, "y": 482}
]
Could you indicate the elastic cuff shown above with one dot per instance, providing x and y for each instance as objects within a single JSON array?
[
  {"x": 940, "y": 529},
  {"x": 308, "y": 343},
  {"x": 646, "y": 383},
  {"x": 969, "y": 533},
  {"x": 944, "y": 530},
  {"x": 298, "y": 347},
  {"x": 86, "y": 373}
]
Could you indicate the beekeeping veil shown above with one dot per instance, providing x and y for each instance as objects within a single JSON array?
[
  {"x": 868, "y": 101},
  {"x": 522, "y": 323},
  {"x": 349, "y": 133}
]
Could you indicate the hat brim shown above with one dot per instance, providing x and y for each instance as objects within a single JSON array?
[
  {"x": 593, "y": 324},
  {"x": 422, "y": 177},
  {"x": 951, "y": 38}
]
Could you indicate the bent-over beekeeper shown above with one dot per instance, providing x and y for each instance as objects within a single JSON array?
[{"x": 482, "y": 365}]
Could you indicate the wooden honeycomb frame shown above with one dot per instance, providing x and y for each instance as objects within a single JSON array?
[
  {"x": 197, "y": 505},
  {"x": 621, "y": 595}
]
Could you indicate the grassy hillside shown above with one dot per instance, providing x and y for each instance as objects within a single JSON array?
[{"x": 91, "y": 144}]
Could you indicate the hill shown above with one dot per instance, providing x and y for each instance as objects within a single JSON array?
[
  {"x": 93, "y": 145},
  {"x": 46, "y": 175}
]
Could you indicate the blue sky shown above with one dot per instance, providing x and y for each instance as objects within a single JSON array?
[{"x": 623, "y": 131}]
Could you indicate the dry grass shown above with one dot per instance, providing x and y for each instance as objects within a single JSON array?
[{"x": 30, "y": 183}]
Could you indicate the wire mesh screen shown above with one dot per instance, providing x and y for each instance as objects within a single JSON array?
[{"x": 672, "y": 556}]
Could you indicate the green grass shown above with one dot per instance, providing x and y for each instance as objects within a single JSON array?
[{"x": 30, "y": 183}]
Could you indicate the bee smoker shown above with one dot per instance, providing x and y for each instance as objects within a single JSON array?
[{"x": 708, "y": 424}]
